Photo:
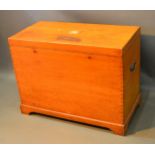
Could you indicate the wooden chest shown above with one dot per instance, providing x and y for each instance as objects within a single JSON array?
[{"x": 88, "y": 73}]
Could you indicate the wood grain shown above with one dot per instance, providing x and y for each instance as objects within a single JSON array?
[
  {"x": 79, "y": 72},
  {"x": 131, "y": 78},
  {"x": 90, "y": 37}
]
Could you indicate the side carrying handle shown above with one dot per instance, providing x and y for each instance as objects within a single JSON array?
[{"x": 132, "y": 67}]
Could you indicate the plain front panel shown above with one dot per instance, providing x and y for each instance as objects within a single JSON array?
[{"x": 81, "y": 84}]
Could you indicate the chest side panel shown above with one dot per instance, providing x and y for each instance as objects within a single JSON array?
[
  {"x": 131, "y": 75},
  {"x": 82, "y": 84}
]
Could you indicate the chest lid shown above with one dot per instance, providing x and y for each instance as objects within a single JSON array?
[{"x": 97, "y": 38}]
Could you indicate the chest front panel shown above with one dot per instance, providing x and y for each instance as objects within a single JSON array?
[{"x": 89, "y": 85}]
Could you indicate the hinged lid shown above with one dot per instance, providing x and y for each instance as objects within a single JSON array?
[{"x": 104, "y": 39}]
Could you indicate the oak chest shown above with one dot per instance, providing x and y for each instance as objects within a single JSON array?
[{"x": 88, "y": 73}]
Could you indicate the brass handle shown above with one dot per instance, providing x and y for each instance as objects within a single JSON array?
[{"x": 132, "y": 67}]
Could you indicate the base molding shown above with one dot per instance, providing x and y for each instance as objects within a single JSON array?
[{"x": 115, "y": 127}]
